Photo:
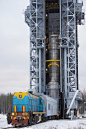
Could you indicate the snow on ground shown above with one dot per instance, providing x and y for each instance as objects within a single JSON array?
[
  {"x": 3, "y": 121},
  {"x": 54, "y": 124}
]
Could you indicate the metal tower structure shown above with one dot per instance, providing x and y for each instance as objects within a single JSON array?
[
  {"x": 35, "y": 18},
  {"x": 46, "y": 19},
  {"x": 71, "y": 16}
]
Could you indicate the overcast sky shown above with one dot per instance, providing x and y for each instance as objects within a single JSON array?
[{"x": 14, "y": 48}]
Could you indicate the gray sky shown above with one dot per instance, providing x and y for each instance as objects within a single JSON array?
[{"x": 14, "y": 48}]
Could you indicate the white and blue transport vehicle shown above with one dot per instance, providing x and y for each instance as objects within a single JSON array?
[{"x": 30, "y": 109}]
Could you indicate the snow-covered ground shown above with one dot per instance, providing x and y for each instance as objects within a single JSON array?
[{"x": 54, "y": 124}]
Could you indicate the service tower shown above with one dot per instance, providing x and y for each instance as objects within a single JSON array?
[{"x": 54, "y": 49}]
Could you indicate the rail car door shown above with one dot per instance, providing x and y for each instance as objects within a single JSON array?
[
  {"x": 30, "y": 105},
  {"x": 51, "y": 110}
]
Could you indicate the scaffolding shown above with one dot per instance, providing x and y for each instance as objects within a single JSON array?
[
  {"x": 66, "y": 14},
  {"x": 35, "y": 18}
]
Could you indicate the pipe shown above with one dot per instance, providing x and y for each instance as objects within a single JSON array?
[
  {"x": 39, "y": 70},
  {"x": 72, "y": 102}
]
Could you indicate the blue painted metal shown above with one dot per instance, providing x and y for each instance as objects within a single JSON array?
[{"x": 31, "y": 103}]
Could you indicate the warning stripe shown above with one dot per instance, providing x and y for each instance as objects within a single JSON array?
[
  {"x": 23, "y": 108},
  {"x": 25, "y": 117},
  {"x": 15, "y": 108}
]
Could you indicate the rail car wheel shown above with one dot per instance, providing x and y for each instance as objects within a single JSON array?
[
  {"x": 30, "y": 119},
  {"x": 46, "y": 118},
  {"x": 8, "y": 118},
  {"x": 43, "y": 118},
  {"x": 54, "y": 117},
  {"x": 34, "y": 121}
]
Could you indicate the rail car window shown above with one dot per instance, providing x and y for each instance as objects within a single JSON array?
[{"x": 48, "y": 106}]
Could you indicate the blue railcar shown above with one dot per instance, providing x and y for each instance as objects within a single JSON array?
[
  {"x": 29, "y": 101},
  {"x": 26, "y": 108},
  {"x": 29, "y": 109}
]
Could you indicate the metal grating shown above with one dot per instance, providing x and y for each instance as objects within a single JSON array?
[
  {"x": 35, "y": 18},
  {"x": 69, "y": 44}
]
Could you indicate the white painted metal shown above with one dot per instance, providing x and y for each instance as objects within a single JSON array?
[
  {"x": 35, "y": 18},
  {"x": 72, "y": 101},
  {"x": 70, "y": 15},
  {"x": 50, "y": 106}
]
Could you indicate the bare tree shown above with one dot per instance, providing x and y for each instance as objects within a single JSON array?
[{"x": 6, "y": 103}]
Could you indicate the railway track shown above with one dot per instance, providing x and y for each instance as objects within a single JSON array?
[
  {"x": 10, "y": 128},
  {"x": 7, "y": 128},
  {"x": 20, "y": 127}
]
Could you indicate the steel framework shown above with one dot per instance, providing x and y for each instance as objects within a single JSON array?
[
  {"x": 70, "y": 15},
  {"x": 35, "y": 18},
  {"x": 69, "y": 45}
]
